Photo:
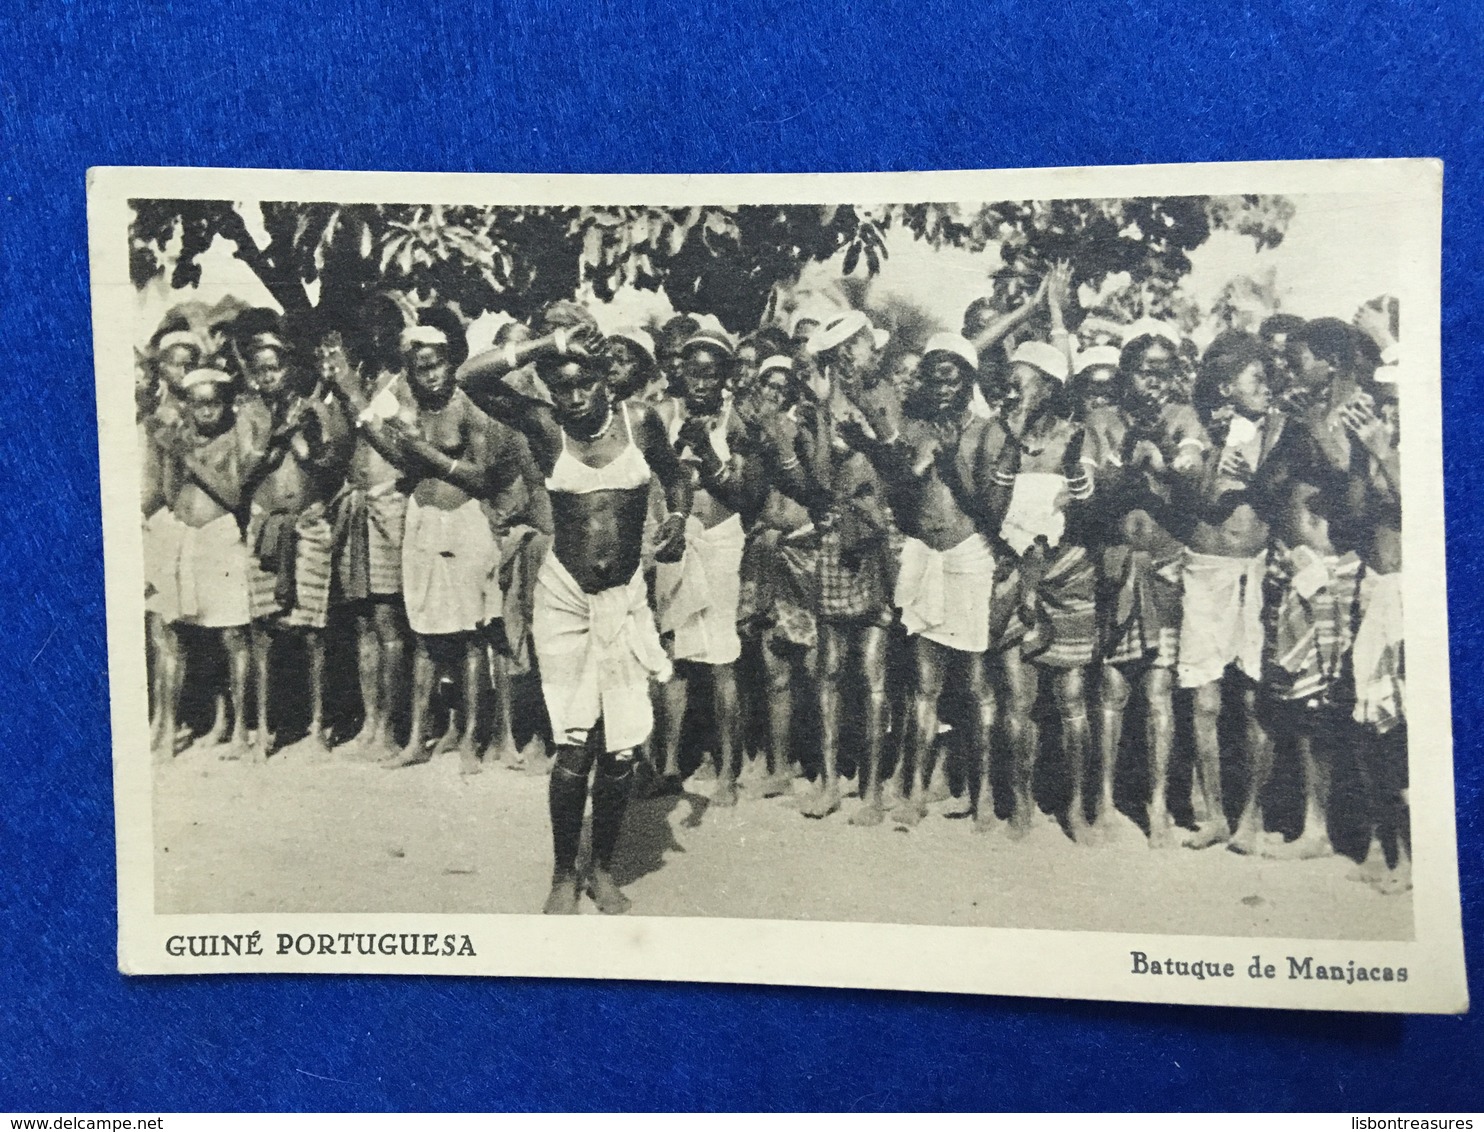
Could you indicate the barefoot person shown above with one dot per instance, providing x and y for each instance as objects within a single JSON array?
[
  {"x": 942, "y": 485},
  {"x": 595, "y": 636},
  {"x": 1378, "y": 656},
  {"x": 1221, "y": 604},
  {"x": 843, "y": 494},
  {"x": 457, "y": 460},
  {"x": 308, "y": 445},
  {"x": 779, "y": 588},
  {"x": 370, "y": 513},
  {"x": 1316, "y": 487},
  {"x": 1150, "y": 457},
  {"x": 202, "y": 564},
  {"x": 696, "y": 598},
  {"x": 174, "y": 352}
]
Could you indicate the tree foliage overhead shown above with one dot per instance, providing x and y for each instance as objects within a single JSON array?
[
  {"x": 730, "y": 261},
  {"x": 1141, "y": 245}
]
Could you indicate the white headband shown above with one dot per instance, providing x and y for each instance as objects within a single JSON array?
[
  {"x": 1044, "y": 356},
  {"x": 179, "y": 338},
  {"x": 421, "y": 335}
]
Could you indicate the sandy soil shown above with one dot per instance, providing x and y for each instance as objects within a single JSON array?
[{"x": 342, "y": 836}]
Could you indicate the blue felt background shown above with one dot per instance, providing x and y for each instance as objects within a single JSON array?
[{"x": 599, "y": 86}]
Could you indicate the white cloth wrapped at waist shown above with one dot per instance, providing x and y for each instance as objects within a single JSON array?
[
  {"x": 944, "y": 595},
  {"x": 598, "y": 653},
  {"x": 697, "y": 597}
]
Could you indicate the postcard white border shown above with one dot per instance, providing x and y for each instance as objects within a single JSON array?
[{"x": 1056, "y": 964}]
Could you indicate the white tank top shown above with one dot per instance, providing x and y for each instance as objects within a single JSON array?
[{"x": 629, "y": 469}]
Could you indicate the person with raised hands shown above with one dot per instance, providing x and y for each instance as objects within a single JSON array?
[{"x": 940, "y": 478}]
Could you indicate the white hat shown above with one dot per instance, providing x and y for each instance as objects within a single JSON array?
[
  {"x": 640, "y": 338},
  {"x": 179, "y": 338},
  {"x": 421, "y": 335},
  {"x": 717, "y": 338},
  {"x": 205, "y": 376},
  {"x": 1152, "y": 328},
  {"x": 1044, "y": 356},
  {"x": 776, "y": 362},
  {"x": 1096, "y": 356},
  {"x": 1096, "y": 324},
  {"x": 955, "y": 345},
  {"x": 841, "y": 328}
]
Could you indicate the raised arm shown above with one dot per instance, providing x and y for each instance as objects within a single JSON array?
[{"x": 1002, "y": 326}]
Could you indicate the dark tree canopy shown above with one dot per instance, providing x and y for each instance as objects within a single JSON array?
[{"x": 729, "y": 261}]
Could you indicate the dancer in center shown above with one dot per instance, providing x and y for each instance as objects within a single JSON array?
[{"x": 594, "y": 632}]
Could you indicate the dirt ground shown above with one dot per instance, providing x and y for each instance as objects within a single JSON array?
[{"x": 342, "y": 836}]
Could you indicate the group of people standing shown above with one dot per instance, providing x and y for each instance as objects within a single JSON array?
[{"x": 928, "y": 551}]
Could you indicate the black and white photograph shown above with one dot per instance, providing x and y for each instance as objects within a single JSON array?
[{"x": 1019, "y": 558}]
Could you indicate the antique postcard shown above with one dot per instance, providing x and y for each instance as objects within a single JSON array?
[{"x": 1020, "y": 582}]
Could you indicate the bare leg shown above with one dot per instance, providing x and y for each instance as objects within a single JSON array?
[
  {"x": 169, "y": 667},
  {"x": 674, "y": 698},
  {"x": 1374, "y": 867},
  {"x": 368, "y": 674},
  {"x": 1071, "y": 703},
  {"x": 780, "y": 674},
  {"x": 502, "y": 742},
  {"x": 567, "y": 801},
  {"x": 238, "y": 662},
  {"x": 724, "y": 693},
  {"x": 1314, "y": 840},
  {"x": 1214, "y": 829},
  {"x": 611, "y": 786},
  {"x": 873, "y": 670},
  {"x": 1021, "y": 684},
  {"x": 262, "y": 647},
  {"x": 154, "y": 627},
  {"x": 218, "y": 732},
  {"x": 931, "y": 661},
  {"x": 423, "y": 675},
  {"x": 833, "y": 641},
  {"x": 388, "y": 621},
  {"x": 982, "y": 698},
  {"x": 1259, "y": 771},
  {"x": 1159, "y": 727},
  {"x": 1113, "y": 697},
  {"x": 476, "y": 669}
]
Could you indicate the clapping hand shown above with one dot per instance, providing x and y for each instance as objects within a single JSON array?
[
  {"x": 1359, "y": 416},
  {"x": 669, "y": 538}
]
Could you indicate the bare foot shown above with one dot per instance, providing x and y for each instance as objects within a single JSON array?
[
  {"x": 775, "y": 785},
  {"x": 449, "y": 740},
  {"x": 562, "y": 901},
  {"x": 825, "y": 802},
  {"x": 1022, "y": 821},
  {"x": 469, "y": 759},
  {"x": 937, "y": 787},
  {"x": 908, "y": 814},
  {"x": 235, "y": 749},
  {"x": 706, "y": 772},
  {"x": 1079, "y": 827},
  {"x": 1373, "y": 868},
  {"x": 1395, "y": 881},
  {"x": 501, "y": 750},
  {"x": 1162, "y": 832},
  {"x": 725, "y": 794},
  {"x": 1309, "y": 846},
  {"x": 868, "y": 815},
  {"x": 261, "y": 744},
  {"x": 414, "y": 754},
  {"x": 310, "y": 750},
  {"x": 1209, "y": 834},
  {"x": 534, "y": 758},
  {"x": 1246, "y": 840},
  {"x": 606, "y": 894},
  {"x": 1112, "y": 827},
  {"x": 988, "y": 824}
]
